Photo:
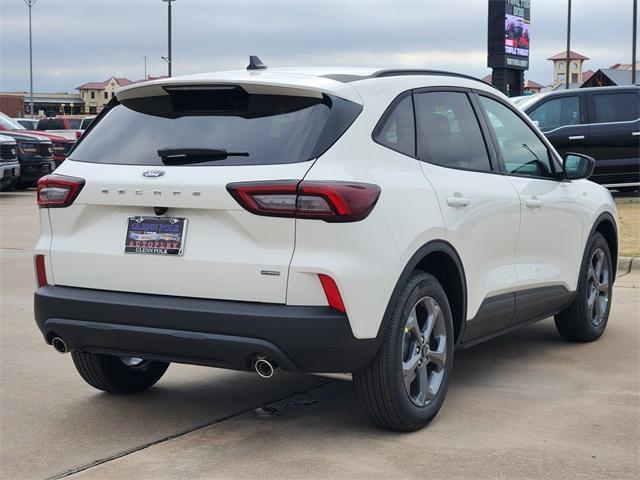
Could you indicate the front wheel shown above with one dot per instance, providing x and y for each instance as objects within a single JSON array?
[
  {"x": 116, "y": 374},
  {"x": 404, "y": 386},
  {"x": 586, "y": 318}
]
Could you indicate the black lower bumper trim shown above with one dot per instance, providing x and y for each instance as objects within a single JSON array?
[{"x": 221, "y": 333}]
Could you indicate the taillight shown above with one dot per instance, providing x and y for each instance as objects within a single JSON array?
[
  {"x": 56, "y": 191},
  {"x": 332, "y": 293},
  {"x": 78, "y": 134},
  {"x": 41, "y": 271},
  {"x": 326, "y": 200}
]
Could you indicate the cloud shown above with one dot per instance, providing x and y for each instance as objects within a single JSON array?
[{"x": 78, "y": 41}]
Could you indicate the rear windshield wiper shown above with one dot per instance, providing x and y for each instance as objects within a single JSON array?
[{"x": 180, "y": 156}]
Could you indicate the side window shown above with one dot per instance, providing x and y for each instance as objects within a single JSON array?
[
  {"x": 557, "y": 112},
  {"x": 616, "y": 107},
  {"x": 448, "y": 131},
  {"x": 522, "y": 151},
  {"x": 397, "y": 128}
]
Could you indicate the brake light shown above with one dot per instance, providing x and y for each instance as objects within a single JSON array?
[
  {"x": 326, "y": 200},
  {"x": 332, "y": 293},
  {"x": 57, "y": 191},
  {"x": 41, "y": 271}
]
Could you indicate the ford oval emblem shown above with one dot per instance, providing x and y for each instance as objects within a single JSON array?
[{"x": 153, "y": 173}]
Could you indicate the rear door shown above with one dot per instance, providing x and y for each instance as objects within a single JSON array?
[
  {"x": 208, "y": 137},
  {"x": 563, "y": 120},
  {"x": 615, "y": 136},
  {"x": 480, "y": 207}
]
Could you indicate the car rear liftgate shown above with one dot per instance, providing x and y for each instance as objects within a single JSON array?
[{"x": 154, "y": 213}]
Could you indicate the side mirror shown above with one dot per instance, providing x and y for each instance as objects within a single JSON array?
[{"x": 578, "y": 166}]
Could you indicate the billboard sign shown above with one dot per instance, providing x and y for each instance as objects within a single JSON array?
[{"x": 509, "y": 34}]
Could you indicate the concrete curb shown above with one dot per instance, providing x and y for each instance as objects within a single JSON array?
[{"x": 628, "y": 264}]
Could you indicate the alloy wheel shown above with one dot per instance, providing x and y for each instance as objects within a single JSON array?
[
  {"x": 598, "y": 280},
  {"x": 424, "y": 351}
]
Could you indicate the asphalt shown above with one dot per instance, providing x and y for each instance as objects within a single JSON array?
[{"x": 526, "y": 405}]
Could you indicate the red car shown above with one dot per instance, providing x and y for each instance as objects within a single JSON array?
[{"x": 61, "y": 145}]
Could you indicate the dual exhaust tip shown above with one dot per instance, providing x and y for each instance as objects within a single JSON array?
[
  {"x": 265, "y": 367},
  {"x": 59, "y": 345}
]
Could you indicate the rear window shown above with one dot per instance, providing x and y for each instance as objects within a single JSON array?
[
  {"x": 74, "y": 123},
  {"x": 616, "y": 107},
  {"x": 86, "y": 122},
  {"x": 267, "y": 129},
  {"x": 557, "y": 112},
  {"x": 51, "y": 124}
]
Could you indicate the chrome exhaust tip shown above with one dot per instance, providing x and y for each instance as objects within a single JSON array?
[
  {"x": 59, "y": 345},
  {"x": 265, "y": 368}
]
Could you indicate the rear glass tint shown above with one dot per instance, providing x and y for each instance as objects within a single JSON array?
[
  {"x": 616, "y": 107},
  {"x": 271, "y": 129},
  {"x": 51, "y": 124},
  {"x": 74, "y": 123}
]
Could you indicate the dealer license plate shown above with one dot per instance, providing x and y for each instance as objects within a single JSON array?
[{"x": 155, "y": 235}]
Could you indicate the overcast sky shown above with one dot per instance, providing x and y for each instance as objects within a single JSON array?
[{"x": 76, "y": 41}]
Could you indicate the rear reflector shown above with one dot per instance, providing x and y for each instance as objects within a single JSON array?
[
  {"x": 56, "y": 191},
  {"x": 332, "y": 293},
  {"x": 41, "y": 271},
  {"x": 328, "y": 201}
]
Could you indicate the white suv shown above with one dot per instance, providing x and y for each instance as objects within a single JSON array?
[{"x": 316, "y": 220}]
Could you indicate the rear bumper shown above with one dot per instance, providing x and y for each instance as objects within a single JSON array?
[{"x": 220, "y": 333}]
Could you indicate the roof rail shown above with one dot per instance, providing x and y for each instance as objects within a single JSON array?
[{"x": 393, "y": 72}]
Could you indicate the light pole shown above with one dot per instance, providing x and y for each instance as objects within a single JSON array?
[
  {"x": 30, "y": 3},
  {"x": 568, "y": 58},
  {"x": 634, "y": 42},
  {"x": 168, "y": 2},
  {"x": 145, "y": 67}
]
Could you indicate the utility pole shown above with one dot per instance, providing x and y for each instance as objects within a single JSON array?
[
  {"x": 168, "y": 2},
  {"x": 634, "y": 42},
  {"x": 30, "y": 3},
  {"x": 568, "y": 58}
]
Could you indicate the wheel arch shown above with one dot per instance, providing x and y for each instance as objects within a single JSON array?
[
  {"x": 440, "y": 259},
  {"x": 605, "y": 224}
]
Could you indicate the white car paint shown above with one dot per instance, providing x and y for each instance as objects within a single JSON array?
[{"x": 504, "y": 245}]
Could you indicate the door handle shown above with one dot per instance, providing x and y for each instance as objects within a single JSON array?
[
  {"x": 635, "y": 134},
  {"x": 533, "y": 202},
  {"x": 576, "y": 137},
  {"x": 458, "y": 200}
]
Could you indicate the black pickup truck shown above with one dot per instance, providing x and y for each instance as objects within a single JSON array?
[{"x": 602, "y": 122}]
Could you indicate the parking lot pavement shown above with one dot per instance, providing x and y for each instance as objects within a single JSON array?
[{"x": 527, "y": 405}]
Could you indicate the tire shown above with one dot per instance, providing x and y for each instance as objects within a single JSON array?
[
  {"x": 115, "y": 374},
  {"x": 586, "y": 318},
  {"x": 380, "y": 386}
]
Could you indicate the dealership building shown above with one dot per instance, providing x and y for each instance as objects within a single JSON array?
[{"x": 17, "y": 104}]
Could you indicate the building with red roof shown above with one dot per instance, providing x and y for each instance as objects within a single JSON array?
[
  {"x": 97, "y": 94},
  {"x": 574, "y": 68}
]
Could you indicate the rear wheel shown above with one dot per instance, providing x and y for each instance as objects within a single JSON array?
[
  {"x": 586, "y": 318},
  {"x": 116, "y": 374},
  {"x": 404, "y": 386}
]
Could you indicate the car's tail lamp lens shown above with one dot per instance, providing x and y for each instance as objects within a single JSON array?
[
  {"x": 332, "y": 293},
  {"x": 328, "y": 201},
  {"x": 41, "y": 271},
  {"x": 57, "y": 191}
]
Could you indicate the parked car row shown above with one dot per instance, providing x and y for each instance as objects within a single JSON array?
[
  {"x": 39, "y": 152},
  {"x": 602, "y": 122}
]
